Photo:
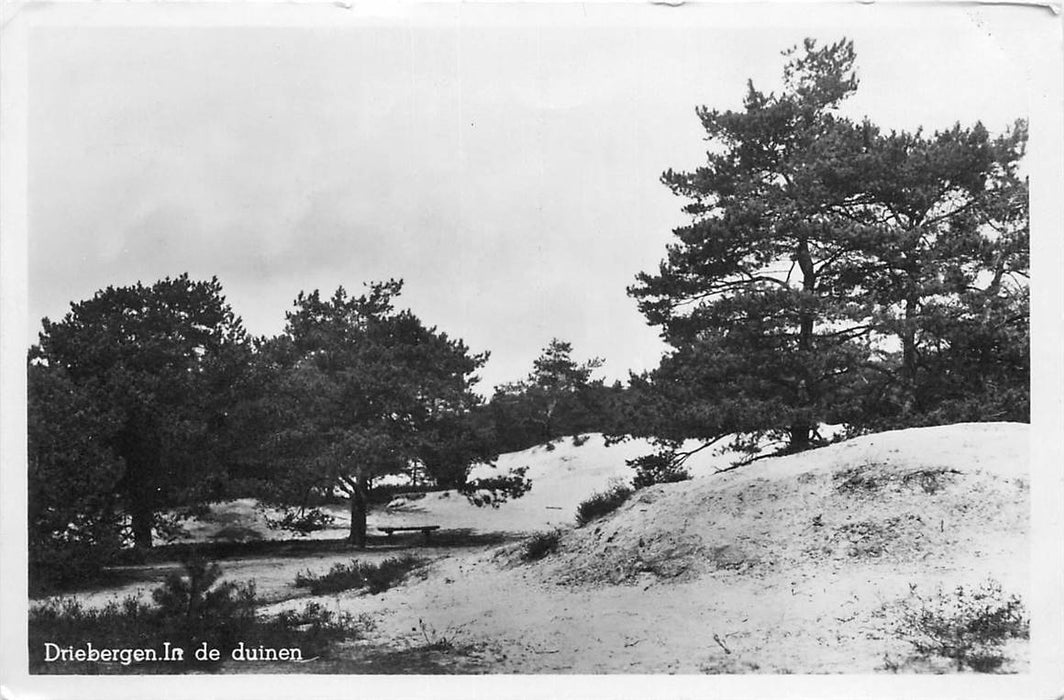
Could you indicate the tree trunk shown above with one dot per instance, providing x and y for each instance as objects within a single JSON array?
[
  {"x": 801, "y": 430},
  {"x": 359, "y": 509},
  {"x": 908, "y": 372},
  {"x": 142, "y": 526},
  {"x": 138, "y": 446},
  {"x": 908, "y": 358}
]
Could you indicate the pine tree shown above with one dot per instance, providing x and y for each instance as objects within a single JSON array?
[
  {"x": 753, "y": 297},
  {"x": 159, "y": 361},
  {"x": 360, "y": 391},
  {"x": 557, "y": 398}
]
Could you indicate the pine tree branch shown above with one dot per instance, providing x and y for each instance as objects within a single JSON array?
[{"x": 684, "y": 456}]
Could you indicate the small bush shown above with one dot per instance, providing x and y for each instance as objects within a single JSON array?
[
  {"x": 540, "y": 545},
  {"x": 375, "y": 578},
  {"x": 313, "y": 630},
  {"x": 301, "y": 522},
  {"x": 659, "y": 468},
  {"x": 495, "y": 490},
  {"x": 968, "y": 626},
  {"x": 602, "y": 503},
  {"x": 195, "y": 608}
]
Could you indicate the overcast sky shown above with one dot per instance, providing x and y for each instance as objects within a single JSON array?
[{"x": 508, "y": 174}]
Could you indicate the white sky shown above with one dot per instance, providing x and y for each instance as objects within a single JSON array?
[{"x": 508, "y": 174}]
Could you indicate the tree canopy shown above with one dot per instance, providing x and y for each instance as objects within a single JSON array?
[
  {"x": 129, "y": 391},
  {"x": 559, "y": 397},
  {"x": 360, "y": 391}
]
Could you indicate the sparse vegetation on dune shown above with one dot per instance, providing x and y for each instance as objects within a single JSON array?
[
  {"x": 540, "y": 545},
  {"x": 602, "y": 503},
  {"x": 968, "y": 626},
  {"x": 375, "y": 578}
]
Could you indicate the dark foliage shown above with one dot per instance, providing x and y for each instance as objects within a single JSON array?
[
  {"x": 302, "y": 521},
  {"x": 496, "y": 490},
  {"x": 128, "y": 397},
  {"x": 602, "y": 503},
  {"x": 540, "y": 545},
  {"x": 968, "y": 626},
  {"x": 557, "y": 399},
  {"x": 375, "y": 578},
  {"x": 354, "y": 390},
  {"x": 658, "y": 468}
]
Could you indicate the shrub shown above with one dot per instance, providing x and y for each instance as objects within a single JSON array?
[
  {"x": 375, "y": 578},
  {"x": 495, "y": 490},
  {"x": 389, "y": 572},
  {"x": 602, "y": 503},
  {"x": 658, "y": 468},
  {"x": 195, "y": 608},
  {"x": 540, "y": 545},
  {"x": 301, "y": 522},
  {"x": 313, "y": 630},
  {"x": 968, "y": 626}
]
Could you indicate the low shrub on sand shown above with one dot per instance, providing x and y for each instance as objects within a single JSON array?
[
  {"x": 375, "y": 578},
  {"x": 602, "y": 503},
  {"x": 540, "y": 545},
  {"x": 968, "y": 625}
]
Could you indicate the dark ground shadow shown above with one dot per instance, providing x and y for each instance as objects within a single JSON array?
[{"x": 140, "y": 567}]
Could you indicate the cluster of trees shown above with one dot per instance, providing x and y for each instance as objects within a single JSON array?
[
  {"x": 559, "y": 398},
  {"x": 832, "y": 272},
  {"x": 148, "y": 402}
]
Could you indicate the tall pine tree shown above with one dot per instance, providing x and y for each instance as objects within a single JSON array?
[
  {"x": 753, "y": 296},
  {"x": 159, "y": 361}
]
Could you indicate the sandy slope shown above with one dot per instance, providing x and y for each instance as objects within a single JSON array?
[
  {"x": 796, "y": 564},
  {"x": 562, "y": 476}
]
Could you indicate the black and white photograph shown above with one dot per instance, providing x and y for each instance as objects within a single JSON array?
[{"x": 532, "y": 350}]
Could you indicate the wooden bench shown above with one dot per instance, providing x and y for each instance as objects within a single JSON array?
[{"x": 425, "y": 530}]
